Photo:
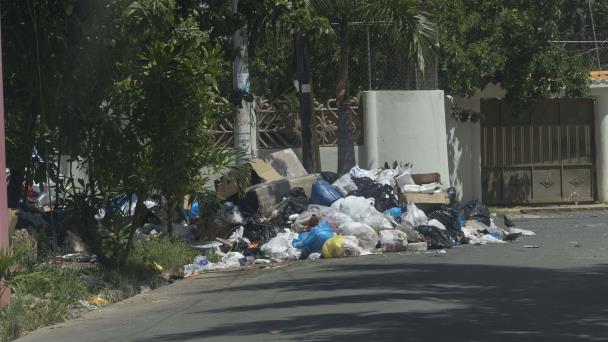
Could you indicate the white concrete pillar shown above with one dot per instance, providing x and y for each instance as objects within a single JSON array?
[
  {"x": 601, "y": 143},
  {"x": 370, "y": 135}
]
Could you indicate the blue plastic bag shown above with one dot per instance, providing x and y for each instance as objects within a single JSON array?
[
  {"x": 324, "y": 194},
  {"x": 194, "y": 211},
  {"x": 395, "y": 213},
  {"x": 312, "y": 241}
]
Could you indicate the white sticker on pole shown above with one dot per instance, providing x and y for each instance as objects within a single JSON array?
[
  {"x": 242, "y": 81},
  {"x": 306, "y": 88}
]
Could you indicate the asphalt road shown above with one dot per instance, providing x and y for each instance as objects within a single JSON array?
[{"x": 556, "y": 292}]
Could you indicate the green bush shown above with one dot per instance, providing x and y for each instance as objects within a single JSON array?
[{"x": 168, "y": 252}]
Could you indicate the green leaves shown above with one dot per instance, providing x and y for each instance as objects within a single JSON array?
[
  {"x": 506, "y": 42},
  {"x": 5, "y": 264}
]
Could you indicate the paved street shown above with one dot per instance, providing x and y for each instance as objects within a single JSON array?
[{"x": 557, "y": 292}]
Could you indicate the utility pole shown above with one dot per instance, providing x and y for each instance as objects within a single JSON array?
[
  {"x": 245, "y": 128},
  {"x": 309, "y": 141},
  {"x": 310, "y": 149},
  {"x": 597, "y": 49},
  {"x": 4, "y": 238}
]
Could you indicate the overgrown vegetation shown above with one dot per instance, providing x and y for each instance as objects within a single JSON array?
[{"x": 49, "y": 292}]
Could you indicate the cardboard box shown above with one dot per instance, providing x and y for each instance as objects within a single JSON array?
[
  {"x": 435, "y": 198},
  {"x": 263, "y": 198},
  {"x": 421, "y": 198},
  {"x": 426, "y": 178},
  {"x": 276, "y": 166},
  {"x": 286, "y": 163},
  {"x": 262, "y": 172}
]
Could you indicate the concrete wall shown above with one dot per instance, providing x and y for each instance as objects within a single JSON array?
[
  {"x": 601, "y": 140},
  {"x": 464, "y": 155},
  {"x": 406, "y": 126},
  {"x": 464, "y": 144}
]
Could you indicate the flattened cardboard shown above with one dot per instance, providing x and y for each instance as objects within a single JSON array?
[
  {"x": 265, "y": 170},
  {"x": 286, "y": 163}
]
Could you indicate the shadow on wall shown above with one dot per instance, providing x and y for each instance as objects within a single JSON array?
[
  {"x": 424, "y": 302},
  {"x": 460, "y": 137},
  {"x": 517, "y": 187}
]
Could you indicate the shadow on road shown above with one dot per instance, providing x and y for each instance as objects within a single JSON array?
[{"x": 491, "y": 303}]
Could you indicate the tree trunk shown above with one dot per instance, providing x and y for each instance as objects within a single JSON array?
[
  {"x": 137, "y": 220},
  {"x": 170, "y": 206},
  {"x": 346, "y": 149}
]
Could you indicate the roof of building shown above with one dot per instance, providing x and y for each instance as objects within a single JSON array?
[
  {"x": 598, "y": 79},
  {"x": 598, "y": 75}
]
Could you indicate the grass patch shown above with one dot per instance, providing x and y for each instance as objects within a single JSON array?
[
  {"x": 47, "y": 294},
  {"x": 169, "y": 253},
  {"x": 41, "y": 298}
]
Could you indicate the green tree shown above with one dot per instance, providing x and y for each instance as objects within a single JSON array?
[
  {"x": 168, "y": 101},
  {"x": 507, "y": 42},
  {"x": 400, "y": 21}
]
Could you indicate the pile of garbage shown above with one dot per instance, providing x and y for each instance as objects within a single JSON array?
[{"x": 301, "y": 216}]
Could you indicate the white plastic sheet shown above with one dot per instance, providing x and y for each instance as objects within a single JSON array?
[
  {"x": 393, "y": 240},
  {"x": 280, "y": 246},
  {"x": 415, "y": 217},
  {"x": 368, "y": 238}
]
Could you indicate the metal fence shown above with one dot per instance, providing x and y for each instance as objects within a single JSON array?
[
  {"x": 376, "y": 64},
  {"x": 279, "y": 125}
]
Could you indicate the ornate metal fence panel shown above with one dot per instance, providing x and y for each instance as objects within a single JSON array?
[
  {"x": 279, "y": 124},
  {"x": 223, "y": 130}
]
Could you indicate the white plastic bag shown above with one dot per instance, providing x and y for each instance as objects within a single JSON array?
[
  {"x": 358, "y": 172},
  {"x": 436, "y": 223},
  {"x": 367, "y": 236},
  {"x": 393, "y": 240},
  {"x": 412, "y": 235},
  {"x": 336, "y": 219},
  {"x": 345, "y": 184},
  {"x": 358, "y": 208},
  {"x": 378, "y": 221},
  {"x": 303, "y": 220},
  {"x": 280, "y": 246},
  {"x": 351, "y": 246},
  {"x": 233, "y": 258},
  {"x": 415, "y": 217},
  {"x": 362, "y": 210},
  {"x": 387, "y": 177}
]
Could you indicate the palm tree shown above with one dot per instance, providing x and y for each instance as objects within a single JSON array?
[{"x": 402, "y": 22}]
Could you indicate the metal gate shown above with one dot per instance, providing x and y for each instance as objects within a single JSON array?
[{"x": 547, "y": 156}]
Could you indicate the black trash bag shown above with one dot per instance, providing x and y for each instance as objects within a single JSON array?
[
  {"x": 261, "y": 232},
  {"x": 449, "y": 219},
  {"x": 475, "y": 210},
  {"x": 436, "y": 238},
  {"x": 384, "y": 196},
  {"x": 247, "y": 250},
  {"x": 329, "y": 176},
  {"x": 296, "y": 202}
]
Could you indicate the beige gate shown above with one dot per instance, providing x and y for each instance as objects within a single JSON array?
[{"x": 547, "y": 156}]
